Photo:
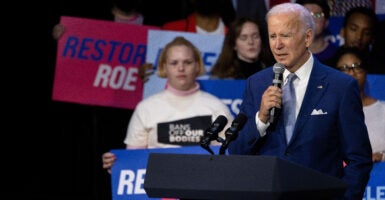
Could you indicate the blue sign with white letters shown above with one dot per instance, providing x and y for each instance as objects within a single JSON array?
[
  {"x": 129, "y": 170},
  {"x": 128, "y": 173}
]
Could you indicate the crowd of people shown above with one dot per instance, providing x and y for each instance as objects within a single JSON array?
[{"x": 343, "y": 140}]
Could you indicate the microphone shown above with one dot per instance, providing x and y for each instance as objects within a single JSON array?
[
  {"x": 278, "y": 69},
  {"x": 232, "y": 132},
  {"x": 211, "y": 133}
]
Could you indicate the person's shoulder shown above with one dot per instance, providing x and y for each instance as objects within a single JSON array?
[
  {"x": 176, "y": 25},
  {"x": 328, "y": 69},
  {"x": 209, "y": 96},
  {"x": 327, "y": 54},
  {"x": 378, "y": 106},
  {"x": 154, "y": 98},
  {"x": 331, "y": 74},
  {"x": 265, "y": 75},
  {"x": 263, "y": 72},
  {"x": 214, "y": 103},
  {"x": 381, "y": 103},
  {"x": 173, "y": 24},
  {"x": 210, "y": 99}
]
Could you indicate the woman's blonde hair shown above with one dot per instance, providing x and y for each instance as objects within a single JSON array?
[{"x": 178, "y": 41}]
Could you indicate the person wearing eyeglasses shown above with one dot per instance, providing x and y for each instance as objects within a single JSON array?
[
  {"x": 358, "y": 30},
  {"x": 352, "y": 61},
  {"x": 322, "y": 48}
]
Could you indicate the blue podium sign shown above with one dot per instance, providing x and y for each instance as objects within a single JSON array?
[{"x": 128, "y": 173}]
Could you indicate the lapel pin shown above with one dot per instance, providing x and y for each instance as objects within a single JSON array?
[{"x": 320, "y": 87}]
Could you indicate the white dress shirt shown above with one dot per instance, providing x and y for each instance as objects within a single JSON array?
[{"x": 300, "y": 85}]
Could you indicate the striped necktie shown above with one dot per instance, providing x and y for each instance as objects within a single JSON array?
[{"x": 289, "y": 104}]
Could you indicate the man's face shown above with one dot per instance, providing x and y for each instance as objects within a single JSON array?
[
  {"x": 289, "y": 40},
  {"x": 358, "y": 31}
]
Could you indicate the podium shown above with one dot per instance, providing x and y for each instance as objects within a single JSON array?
[{"x": 192, "y": 176}]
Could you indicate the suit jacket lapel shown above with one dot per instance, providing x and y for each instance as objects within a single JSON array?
[{"x": 315, "y": 90}]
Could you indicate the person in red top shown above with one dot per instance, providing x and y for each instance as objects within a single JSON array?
[{"x": 206, "y": 18}]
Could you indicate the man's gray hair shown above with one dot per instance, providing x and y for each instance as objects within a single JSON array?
[{"x": 295, "y": 8}]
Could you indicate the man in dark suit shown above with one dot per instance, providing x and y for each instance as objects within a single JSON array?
[{"x": 329, "y": 127}]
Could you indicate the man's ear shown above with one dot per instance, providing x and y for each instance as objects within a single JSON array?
[{"x": 309, "y": 37}]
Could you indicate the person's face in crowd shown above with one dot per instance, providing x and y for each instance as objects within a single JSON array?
[
  {"x": 358, "y": 31},
  {"x": 289, "y": 40},
  {"x": 350, "y": 64},
  {"x": 248, "y": 43},
  {"x": 181, "y": 68},
  {"x": 321, "y": 23}
]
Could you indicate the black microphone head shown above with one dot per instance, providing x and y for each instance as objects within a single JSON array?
[
  {"x": 236, "y": 126},
  {"x": 217, "y": 126},
  {"x": 211, "y": 133},
  {"x": 232, "y": 132},
  {"x": 278, "y": 68},
  {"x": 219, "y": 123},
  {"x": 239, "y": 121}
]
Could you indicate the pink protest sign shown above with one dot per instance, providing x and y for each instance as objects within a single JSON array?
[{"x": 97, "y": 63}]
